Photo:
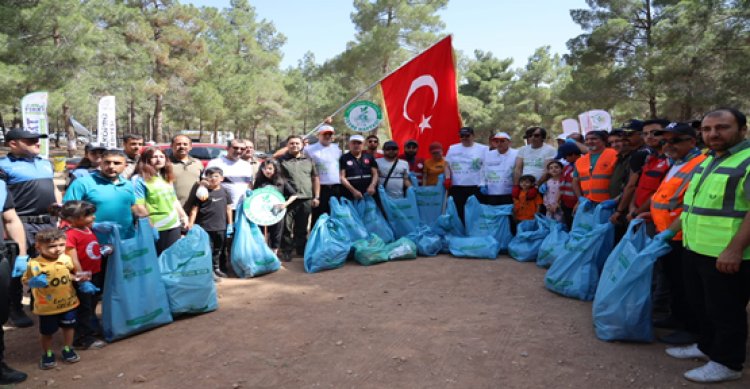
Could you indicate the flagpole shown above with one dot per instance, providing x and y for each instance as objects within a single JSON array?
[{"x": 374, "y": 84}]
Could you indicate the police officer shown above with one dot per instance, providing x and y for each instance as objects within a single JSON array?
[
  {"x": 715, "y": 223},
  {"x": 30, "y": 181},
  {"x": 359, "y": 172},
  {"x": 12, "y": 224}
]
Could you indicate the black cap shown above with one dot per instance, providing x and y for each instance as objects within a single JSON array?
[
  {"x": 93, "y": 146},
  {"x": 22, "y": 133},
  {"x": 679, "y": 129},
  {"x": 411, "y": 142},
  {"x": 466, "y": 131},
  {"x": 632, "y": 125},
  {"x": 390, "y": 144},
  {"x": 567, "y": 149}
]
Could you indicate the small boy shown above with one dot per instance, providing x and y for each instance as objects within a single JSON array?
[
  {"x": 526, "y": 199},
  {"x": 55, "y": 301},
  {"x": 214, "y": 215}
]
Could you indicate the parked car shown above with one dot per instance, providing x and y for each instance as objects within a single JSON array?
[{"x": 201, "y": 151}]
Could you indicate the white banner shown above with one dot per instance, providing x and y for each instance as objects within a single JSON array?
[
  {"x": 595, "y": 120},
  {"x": 34, "y": 115},
  {"x": 570, "y": 126},
  {"x": 106, "y": 134}
]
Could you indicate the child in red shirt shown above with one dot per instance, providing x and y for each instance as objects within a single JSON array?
[
  {"x": 84, "y": 249},
  {"x": 526, "y": 199}
]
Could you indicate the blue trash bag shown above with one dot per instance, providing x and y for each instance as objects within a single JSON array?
[
  {"x": 449, "y": 223},
  {"x": 553, "y": 242},
  {"x": 187, "y": 272},
  {"x": 530, "y": 234},
  {"x": 373, "y": 219},
  {"x": 250, "y": 256},
  {"x": 403, "y": 248},
  {"x": 134, "y": 298},
  {"x": 577, "y": 265},
  {"x": 473, "y": 247},
  {"x": 430, "y": 199},
  {"x": 489, "y": 220},
  {"x": 343, "y": 211},
  {"x": 622, "y": 304},
  {"x": 370, "y": 251},
  {"x": 327, "y": 246},
  {"x": 402, "y": 214},
  {"x": 428, "y": 242}
]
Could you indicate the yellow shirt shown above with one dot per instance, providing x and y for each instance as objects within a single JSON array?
[
  {"x": 59, "y": 296},
  {"x": 432, "y": 169}
]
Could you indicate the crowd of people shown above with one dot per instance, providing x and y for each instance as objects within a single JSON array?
[{"x": 691, "y": 179}]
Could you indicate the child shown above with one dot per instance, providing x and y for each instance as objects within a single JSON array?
[
  {"x": 55, "y": 301},
  {"x": 83, "y": 248},
  {"x": 552, "y": 195},
  {"x": 272, "y": 177},
  {"x": 214, "y": 215},
  {"x": 526, "y": 199}
]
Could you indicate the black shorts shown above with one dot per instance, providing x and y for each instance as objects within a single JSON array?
[{"x": 48, "y": 324}]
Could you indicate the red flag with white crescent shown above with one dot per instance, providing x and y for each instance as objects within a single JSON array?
[{"x": 421, "y": 99}]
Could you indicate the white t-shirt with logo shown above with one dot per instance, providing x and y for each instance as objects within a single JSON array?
[
  {"x": 497, "y": 171},
  {"x": 395, "y": 186},
  {"x": 534, "y": 159},
  {"x": 237, "y": 176},
  {"x": 466, "y": 163},
  {"x": 326, "y": 159}
]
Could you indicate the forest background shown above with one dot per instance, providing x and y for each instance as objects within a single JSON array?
[{"x": 175, "y": 66}]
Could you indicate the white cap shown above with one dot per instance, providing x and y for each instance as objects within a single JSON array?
[
  {"x": 357, "y": 138},
  {"x": 501, "y": 135},
  {"x": 562, "y": 137},
  {"x": 325, "y": 128}
]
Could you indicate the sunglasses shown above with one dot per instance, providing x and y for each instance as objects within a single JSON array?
[
  {"x": 675, "y": 141},
  {"x": 464, "y": 135},
  {"x": 535, "y": 136},
  {"x": 239, "y": 148},
  {"x": 391, "y": 149}
]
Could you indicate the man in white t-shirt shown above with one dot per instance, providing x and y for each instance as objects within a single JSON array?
[
  {"x": 497, "y": 171},
  {"x": 533, "y": 158},
  {"x": 397, "y": 177},
  {"x": 465, "y": 162},
  {"x": 325, "y": 154},
  {"x": 238, "y": 173}
]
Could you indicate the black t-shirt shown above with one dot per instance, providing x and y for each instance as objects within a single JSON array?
[
  {"x": 638, "y": 159},
  {"x": 358, "y": 171},
  {"x": 212, "y": 213}
]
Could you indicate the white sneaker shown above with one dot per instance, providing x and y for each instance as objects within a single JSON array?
[
  {"x": 712, "y": 372},
  {"x": 686, "y": 352}
]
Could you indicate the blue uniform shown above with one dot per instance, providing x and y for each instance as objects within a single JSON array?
[
  {"x": 112, "y": 200},
  {"x": 30, "y": 180}
]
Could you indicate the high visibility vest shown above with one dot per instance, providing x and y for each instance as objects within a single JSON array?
[
  {"x": 666, "y": 203},
  {"x": 654, "y": 170},
  {"x": 567, "y": 196},
  {"x": 595, "y": 184},
  {"x": 715, "y": 205}
]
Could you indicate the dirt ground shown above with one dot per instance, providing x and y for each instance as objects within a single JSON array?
[{"x": 428, "y": 323}]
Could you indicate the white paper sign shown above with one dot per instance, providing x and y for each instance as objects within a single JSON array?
[
  {"x": 595, "y": 120},
  {"x": 570, "y": 126},
  {"x": 34, "y": 116},
  {"x": 106, "y": 134}
]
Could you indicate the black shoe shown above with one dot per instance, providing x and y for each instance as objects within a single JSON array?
[
  {"x": 285, "y": 256},
  {"x": 19, "y": 319},
  {"x": 220, "y": 273},
  {"x": 678, "y": 338},
  {"x": 667, "y": 323},
  {"x": 10, "y": 376}
]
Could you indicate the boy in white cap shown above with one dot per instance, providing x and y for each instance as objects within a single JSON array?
[{"x": 497, "y": 171}]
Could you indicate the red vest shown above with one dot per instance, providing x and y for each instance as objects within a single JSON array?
[
  {"x": 567, "y": 196},
  {"x": 654, "y": 170}
]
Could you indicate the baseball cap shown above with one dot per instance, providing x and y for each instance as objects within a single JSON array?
[
  {"x": 411, "y": 142},
  {"x": 632, "y": 125},
  {"x": 390, "y": 144},
  {"x": 357, "y": 138},
  {"x": 567, "y": 149},
  {"x": 325, "y": 128},
  {"x": 435, "y": 146},
  {"x": 561, "y": 137},
  {"x": 22, "y": 133},
  {"x": 679, "y": 129},
  {"x": 466, "y": 131},
  {"x": 501, "y": 135},
  {"x": 93, "y": 146}
]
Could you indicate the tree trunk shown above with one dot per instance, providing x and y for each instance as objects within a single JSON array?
[
  {"x": 17, "y": 121},
  {"x": 216, "y": 130},
  {"x": 131, "y": 115},
  {"x": 69, "y": 130},
  {"x": 157, "y": 119},
  {"x": 2, "y": 124},
  {"x": 149, "y": 129}
]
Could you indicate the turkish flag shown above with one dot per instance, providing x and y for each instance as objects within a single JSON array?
[{"x": 421, "y": 99}]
